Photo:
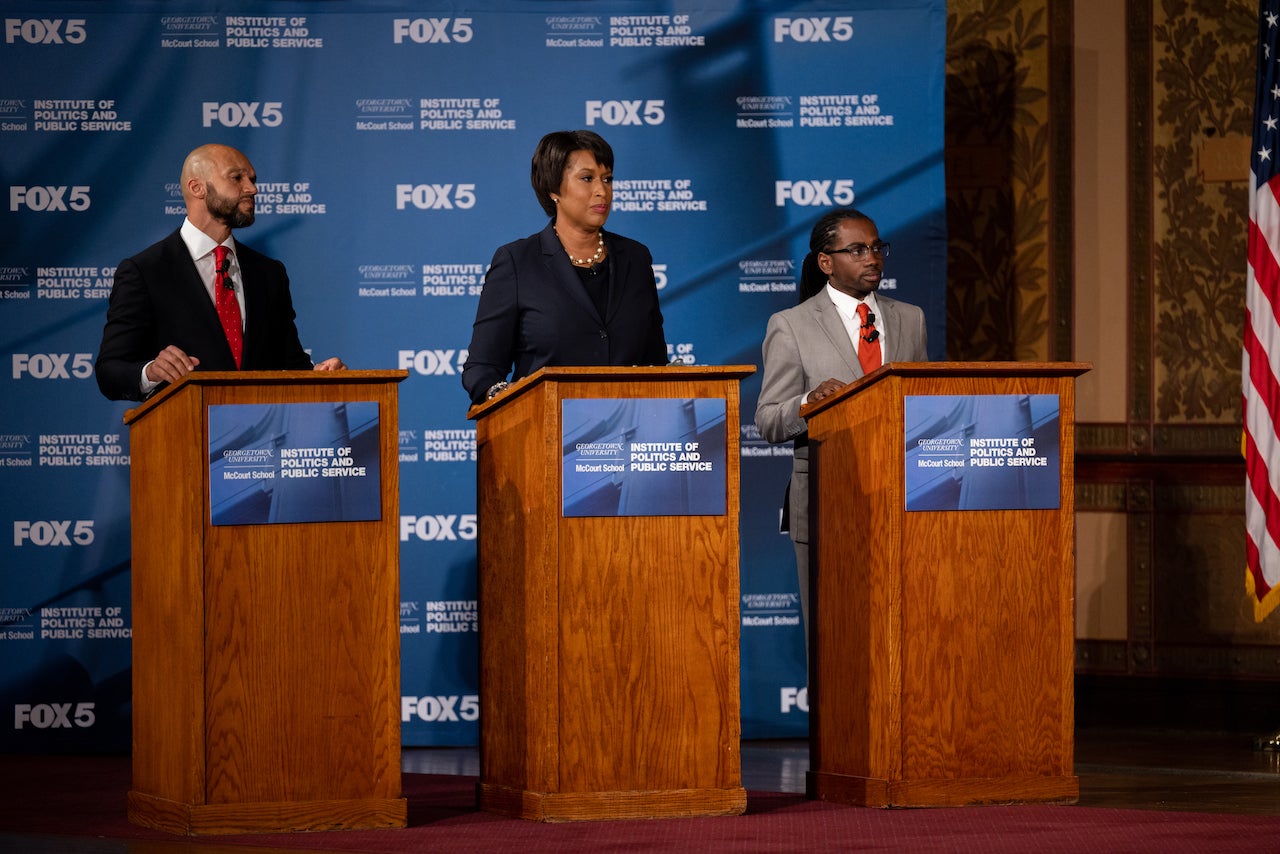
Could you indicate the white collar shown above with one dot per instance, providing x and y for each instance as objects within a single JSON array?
[
  {"x": 200, "y": 244},
  {"x": 847, "y": 305}
]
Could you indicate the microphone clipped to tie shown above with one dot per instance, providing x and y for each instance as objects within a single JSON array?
[{"x": 874, "y": 335}]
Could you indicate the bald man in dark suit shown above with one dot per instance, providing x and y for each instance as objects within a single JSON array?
[{"x": 162, "y": 320}]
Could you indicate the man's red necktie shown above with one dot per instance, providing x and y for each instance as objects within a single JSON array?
[
  {"x": 869, "y": 345},
  {"x": 228, "y": 307}
]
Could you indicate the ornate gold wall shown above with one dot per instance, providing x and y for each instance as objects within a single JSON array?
[
  {"x": 1201, "y": 89},
  {"x": 1169, "y": 474},
  {"x": 998, "y": 138}
]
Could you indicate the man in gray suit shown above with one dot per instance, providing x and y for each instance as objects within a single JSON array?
[{"x": 822, "y": 344}]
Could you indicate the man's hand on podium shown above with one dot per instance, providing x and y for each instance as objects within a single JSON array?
[
  {"x": 826, "y": 388},
  {"x": 170, "y": 365}
]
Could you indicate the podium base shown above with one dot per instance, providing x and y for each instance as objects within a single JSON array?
[
  {"x": 281, "y": 817},
  {"x": 958, "y": 792},
  {"x": 596, "y": 806}
]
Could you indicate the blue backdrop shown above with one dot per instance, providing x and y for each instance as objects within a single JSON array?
[{"x": 392, "y": 144}]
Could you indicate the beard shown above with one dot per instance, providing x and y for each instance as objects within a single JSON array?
[{"x": 226, "y": 210}]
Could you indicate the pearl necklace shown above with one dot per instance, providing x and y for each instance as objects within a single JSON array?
[{"x": 586, "y": 262}]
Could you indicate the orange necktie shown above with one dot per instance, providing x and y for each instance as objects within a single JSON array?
[
  {"x": 869, "y": 345},
  {"x": 228, "y": 307}
]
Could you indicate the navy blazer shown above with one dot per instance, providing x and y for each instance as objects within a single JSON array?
[
  {"x": 158, "y": 299},
  {"x": 534, "y": 312}
]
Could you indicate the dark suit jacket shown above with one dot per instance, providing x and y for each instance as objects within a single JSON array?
[
  {"x": 534, "y": 312},
  {"x": 157, "y": 299}
]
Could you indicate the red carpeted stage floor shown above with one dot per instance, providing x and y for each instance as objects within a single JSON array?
[{"x": 77, "y": 805}]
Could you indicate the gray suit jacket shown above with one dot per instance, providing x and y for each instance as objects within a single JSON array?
[{"x": 805, "y": 345}]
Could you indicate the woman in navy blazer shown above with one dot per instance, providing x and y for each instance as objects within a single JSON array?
[{"x": 572, "y": 294}]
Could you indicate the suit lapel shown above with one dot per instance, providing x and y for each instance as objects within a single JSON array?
[
  {"x": 619, "y": 272},
  {"x": 892, "y": 321},
  {"x": 188, "y": 280},
  {"x": 828, "y": 319},
  {"x": 253, "y": 308},
  {"x": 561, "y": 271}
]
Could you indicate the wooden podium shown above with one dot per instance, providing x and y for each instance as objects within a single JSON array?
[
  {"x": 609, "y": 684},
  {"x": 942, "y": 660},
  {"x": 266, "y": 657}
]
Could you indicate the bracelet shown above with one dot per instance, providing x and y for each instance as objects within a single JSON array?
[{"x": 495, "y": 389}]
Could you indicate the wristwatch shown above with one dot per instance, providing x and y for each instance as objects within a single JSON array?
[{"x": 495, "y": 389}]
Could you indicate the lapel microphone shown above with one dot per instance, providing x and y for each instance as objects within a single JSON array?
[
  {"x": 874, "y": 335},
  {"x": 222, "y": 271}
]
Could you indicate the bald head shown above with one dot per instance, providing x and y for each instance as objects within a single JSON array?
[{"x": 218, "y": 188}]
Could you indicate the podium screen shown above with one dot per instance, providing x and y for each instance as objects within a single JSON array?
[
  {"x": 644, "y": 457},
  {"x": 982, "y": 452},
  {"x": 294, "y": 462}
]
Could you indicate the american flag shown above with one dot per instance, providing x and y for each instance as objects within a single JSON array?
[{"x": 1261, "y": 362}]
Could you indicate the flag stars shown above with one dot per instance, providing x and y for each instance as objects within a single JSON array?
[
  {"x": 1270, "y": 122},
  {"x": 1272, "y": 19},
  {"x": 1264, "y": 153}
]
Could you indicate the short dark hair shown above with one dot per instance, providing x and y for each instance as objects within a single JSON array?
[
  {"x": 824, "y": 230},
  {"x": 552, "y": 155}
]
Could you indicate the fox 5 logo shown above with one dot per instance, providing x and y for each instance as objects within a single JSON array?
[
  {"x": 53, "y": 366},
  {"x": 435, "y": 197},
  {"x": 614, "y": 113},
  {"x": 816, "y": 193},
  {"x": 49, "y": 198},
  {"x": 438, "y": 528},
  {"x": 44, "y": 30},
  {"x": 440, "y": 709},
  {"x": 53, "y": 532},
  {"x": 838, "y": 29},
  {"x": 433, "y": 363},
  {"x": 53, "y": 715},
  {"x": 432, "y": 30},
  {"x": 242, "y": 114}
]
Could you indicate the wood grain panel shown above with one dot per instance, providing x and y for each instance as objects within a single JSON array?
[
  {"x": 943, "y": 659},
  {"x": 609, "y": 646},
  {"x": 518, "y": 701},
  {"x": 282, "y": 817},
  {"x": 646, "y": 642},
  {"x": 279, "y": 642},
  {"x": 167, "y": 581},
  {"x": 614, "y": 806}
]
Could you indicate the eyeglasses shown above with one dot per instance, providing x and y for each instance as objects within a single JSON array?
[{"x": 860, "y": 250}]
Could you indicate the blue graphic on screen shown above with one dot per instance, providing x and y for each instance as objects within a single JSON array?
[
  {"x": 294, "y": 462},
  {"x": 644, "y": 457},
  {"x": 982, "y": 452}
]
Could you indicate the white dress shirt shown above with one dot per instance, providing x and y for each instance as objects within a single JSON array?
[{"x": 848, "y": 308}]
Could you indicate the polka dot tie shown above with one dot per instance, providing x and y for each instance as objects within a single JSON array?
[{"x": 228, "y": 307}]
